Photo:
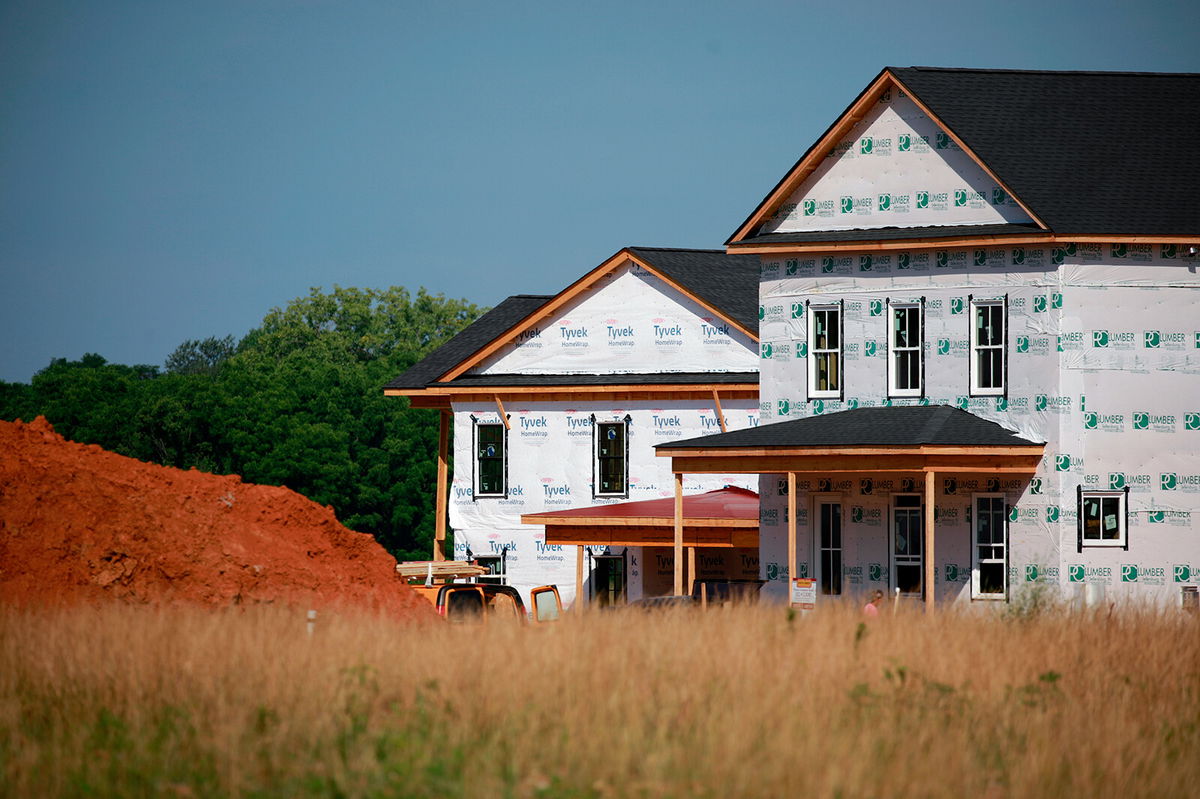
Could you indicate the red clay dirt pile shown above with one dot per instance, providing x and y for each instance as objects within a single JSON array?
[{"x": 78, "y": 523}]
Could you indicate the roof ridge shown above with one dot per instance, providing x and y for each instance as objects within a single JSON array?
[
  {"x": 1050, "y": 71},
  {"x": 529, "y": 296},
  {"x": 674, "y": 249}
]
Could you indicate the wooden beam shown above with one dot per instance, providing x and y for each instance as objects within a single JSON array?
[
  {"x": 616, "y": 387},
  {"x": 791, "y": 530},
  {"x": 701, "y": 537},
  {"x": 720, "y": 413},
  {"x": 678, "y": 533},
  {"x": 930, "y": 243},
  {"x": 930, "y": 551},
  {"x": 443, "y": 487},
  {"x": 503, "y": 413},
  {"x": 579, "y": 579}
]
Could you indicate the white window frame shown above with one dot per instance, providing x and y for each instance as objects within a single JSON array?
[
  {"x": 817, "y": 560},
  {"x": 891, "y": 543},
  {"x": 477, "y": 492},
  {"x": 976, "y": 593},
  {"x": 976, "y": 389},
  {"x": 1122, "y": 540},
  {"x": 893, "y": 348},
  {"x": 838, "y": 352},
  {"x": 598, "y": 426}
]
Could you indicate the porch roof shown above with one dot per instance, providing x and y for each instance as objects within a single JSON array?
[{"x": 913, "y": 438}]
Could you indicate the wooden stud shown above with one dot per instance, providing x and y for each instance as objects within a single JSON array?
[
  {"x": 691, "y": 581},
  {"x": 503, "y": 414},
  {"x": 443, "y": 488},
  {"x": 678, "y": 533},
  {"x": 720, "y": 413},
  {"x": 791, "y": 529},
  {"x": 929, "y": 555}
]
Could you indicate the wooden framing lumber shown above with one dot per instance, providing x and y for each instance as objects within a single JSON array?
[
  {"x": 929, "y": 554},
  {"x": 443, "y": 488}
]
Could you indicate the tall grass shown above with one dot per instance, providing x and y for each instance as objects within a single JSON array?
[{"x": 749, "y": 701}]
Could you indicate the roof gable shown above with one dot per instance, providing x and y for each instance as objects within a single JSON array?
[
  {"x": 895, "y": 167},
  {"x": 1081, "y": 153}
]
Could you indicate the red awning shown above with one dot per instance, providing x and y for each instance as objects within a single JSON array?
[{"x": 727, "y": 517}]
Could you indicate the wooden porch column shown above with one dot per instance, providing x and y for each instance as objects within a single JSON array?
[
  {"x": 791, "y": 533},
  {"x": 930, "y": 567},
  {"x": 579, "y": 579},
  {"x": 691, "y": 580},
  {"x": 443, "y": 472},
  {"x": 678, "y": 533}
]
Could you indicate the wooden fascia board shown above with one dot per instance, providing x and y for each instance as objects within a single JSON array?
[
  {"x": 665, "y": 522},
  {"x": 825, "y": 465},
  {"x": 815, "y": 154},
  {"x": 558, "y": 301},
  {"x": 665, "y": 389},
  {"x": 927, "y": 449},
  {"x": 957, "y": 140},
  {"x": 706, "y": 538}
]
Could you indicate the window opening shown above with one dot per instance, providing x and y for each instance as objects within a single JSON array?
[
  {"x": 988, "y": 348},
  {"x": 908, "y": 544},
  {"x": 825, "y": 351},
  {"x": 490, "y": 461},
  {"x": 612, "y": 458},
  {"x": 1103, "y": 518},
  {"x": 904, "y": 351},
  {"x": 830, "y": 516},
  {"x": 989, "y": 572}
]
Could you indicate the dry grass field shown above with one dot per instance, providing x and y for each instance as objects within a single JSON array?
[{"x": 741, "y": 702}]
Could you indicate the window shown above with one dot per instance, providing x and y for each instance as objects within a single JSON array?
[
  {"x": 495, "y": 565},
  {"x": 988, "y": 337},
  {"x": 1102, "y": 519},
  {"x": 989, "y": 564},
  {"x": 612, "y": 458},
  {"x": 908, "y": 544},
  {"x": 608, "y": 580},
  {"x": 829, "y": 561},
  {"x": 825, "y": 351},
  {"x": 905, "y": 343},
  {"x": 491, "y": 465}
]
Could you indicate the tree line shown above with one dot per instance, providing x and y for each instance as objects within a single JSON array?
[{"x": 297, "y": 402}]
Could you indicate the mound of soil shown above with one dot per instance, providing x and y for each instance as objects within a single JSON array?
[{"x": 78, "y": 523}]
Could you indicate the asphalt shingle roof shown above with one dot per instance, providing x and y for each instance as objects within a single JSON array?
[
  {"x": 476, "y": 335},
  {"x": 899, "y": 426},
  {"x": 1089, "y": 152},
  {"x": 726, "y": 282}
]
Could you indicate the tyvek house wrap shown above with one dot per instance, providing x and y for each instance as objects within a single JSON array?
[
  {"x": 630, "y": 322},
  {"x": 1104, "y": 365},
  {"x": 896, "y": 168}
]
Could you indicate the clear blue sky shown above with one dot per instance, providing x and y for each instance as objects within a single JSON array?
[{"x": 172, "y": 170}]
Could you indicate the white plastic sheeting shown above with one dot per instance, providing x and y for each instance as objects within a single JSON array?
[
  {"x": 550, "y": 463},
  {"x": 1103, "y": 364},
  {"x": 630, "y": 322},
  {"x": 897, "y": 168}
]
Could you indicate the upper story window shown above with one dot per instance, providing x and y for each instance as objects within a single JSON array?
[
  {"x": 612, "y": 458},
  {"x": 989, "y": 347},
  {"x": 1102, "y": 519},
  {"x": 491, "y": 461},
  {"x": 905, "y": 350},
  {"x": 825, "y": 351}
]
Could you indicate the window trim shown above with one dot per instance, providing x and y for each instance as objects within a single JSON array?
[
  {"x": 596, "y": 492},
  {"x": 476, "y": 493},
  {"x": 840, "y": 351},
  {"x": 892, "y": 372},
  {"x": 1122, "y": 496},
  {"x": 976, "y": 594},
  {"x": 975, "y": 389}
]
